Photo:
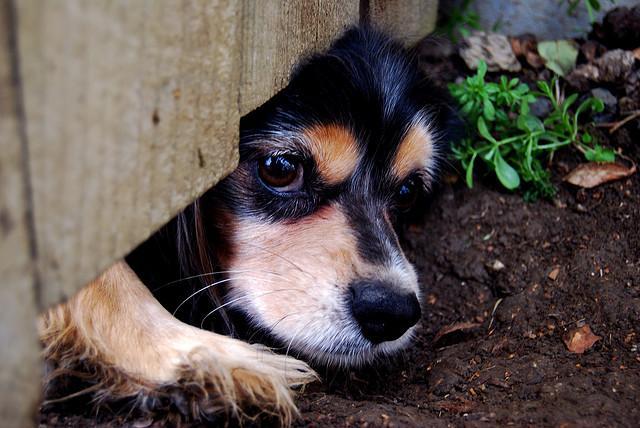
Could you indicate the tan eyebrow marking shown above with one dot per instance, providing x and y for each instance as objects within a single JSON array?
[
  {"x": 335, "y": 151},
  {"x": 414, "y": 152}
]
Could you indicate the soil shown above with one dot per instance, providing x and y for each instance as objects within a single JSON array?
[{"x": 506, "y": 283}]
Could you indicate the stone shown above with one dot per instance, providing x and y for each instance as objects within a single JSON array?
[
  {"x": 541, "y": 107},
  {"x": 492, "y": 48},
  {"x": 615, "y": 65}
]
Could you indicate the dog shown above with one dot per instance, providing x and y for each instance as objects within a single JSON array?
[{"x": 300, "y": 242}]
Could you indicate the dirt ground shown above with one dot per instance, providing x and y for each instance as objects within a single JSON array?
[{"x": 506, "y": 284}]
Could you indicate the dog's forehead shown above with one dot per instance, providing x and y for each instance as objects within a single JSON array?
[
  {"x": 339, "y": 152},
  {"x": 365, "y": 105}
]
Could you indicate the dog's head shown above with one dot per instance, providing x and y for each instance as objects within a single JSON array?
[{"x": 327, "y": 169}]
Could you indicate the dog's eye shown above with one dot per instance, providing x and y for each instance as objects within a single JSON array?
[
  {"x": 282, "y": 173},
  {"x": 407, "y": 194}
]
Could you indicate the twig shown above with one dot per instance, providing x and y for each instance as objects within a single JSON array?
[{"x": 619, "y": 124}]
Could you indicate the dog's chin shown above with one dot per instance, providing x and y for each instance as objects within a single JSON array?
[
  {"x": 352, "y": 350},
  {"x": 358, "y": 356},
  {"x": 332, "y": 347}
]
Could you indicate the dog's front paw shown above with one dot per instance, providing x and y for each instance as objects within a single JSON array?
[
  {"x": 136, "y": 352},
  {"x": 232, "y": 379}
]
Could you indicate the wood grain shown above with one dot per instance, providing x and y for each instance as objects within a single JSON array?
[
  {"x": 20, "y": 367},
  {"x": 411, "y": 20},
  {"x": 276, "y": 34},
  {"x": 132, "y": 112}
]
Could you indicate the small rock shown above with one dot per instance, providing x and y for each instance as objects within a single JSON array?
[
  {"x": 615, "y": 65},
  {"x": 580, "y": 77},
  {"x": 609, "y": 100},
  {"x": 553, "y": 275},
  {"x": 541, "y": 107},
  {"x": 492, "y": 48},
  {"x": 496, "y": 266}
]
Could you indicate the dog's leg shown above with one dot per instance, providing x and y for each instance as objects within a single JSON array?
[{"x": 132, "y": 347}]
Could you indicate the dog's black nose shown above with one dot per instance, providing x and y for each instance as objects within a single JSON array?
[{"x": 382, "y": 312}]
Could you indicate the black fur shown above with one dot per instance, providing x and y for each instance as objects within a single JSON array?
[{"x": 365, "y": 82}]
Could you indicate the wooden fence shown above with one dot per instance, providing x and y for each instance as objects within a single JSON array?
[{"x": 114, "y": 115}]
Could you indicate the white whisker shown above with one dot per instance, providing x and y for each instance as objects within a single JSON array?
[
  {"x": 283, "y": 258},
  {"x": 215, "y": 273},
  {"x": 244, "y": 298},
  {"x": 200, "y": 290}
]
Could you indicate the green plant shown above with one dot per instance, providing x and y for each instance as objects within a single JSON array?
[
  {"x": 460, "y": 22},
  {"x": 593, "y": 6},
  {"x": 513, "y": 143}
]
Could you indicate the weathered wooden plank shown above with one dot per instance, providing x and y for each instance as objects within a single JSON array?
[
  {"x": 20, "y": 367},
  {"x": 410, "y": 20},
  {"x": 132, "y": 112},
  {"x": 275, "y": 35}
]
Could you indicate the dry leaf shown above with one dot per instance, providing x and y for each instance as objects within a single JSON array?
[
  {"x": 460, "y": 406},
  {"x": 452, "y": 328},
  {"x": 593, "y": 174},
  {"x": 580, "y": 339},
  {"x": 526, "y": 46},
  {"x": 553, "y": 275}
]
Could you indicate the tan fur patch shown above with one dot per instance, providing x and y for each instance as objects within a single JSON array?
[
  {"x": 296, "y": 267},
  {"x": 414, "y": 152},
  {"x": 335, "y": 151}
]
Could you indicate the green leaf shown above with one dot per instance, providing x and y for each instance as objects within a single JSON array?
[
  {"x": 544, "y": 87},
  {"x": 568, "y": 102},
  {"x": 484, "y": 131},
  {"x": 482, "y": 69},
  {"x": 600, "y": 154},
  {"x": 530, "y": 123},
  {"x": 560, "y": 55},
  {"x": 489, "y": 110},
  {"x": 595, "y": 4},
  {"x": 597, "y": 105},
  {"x": 492, "y": 88},
  {"x": 469, "y": 175},
  {"x": 521, "y": 89},
  {"x": 506, "y": 174}
]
